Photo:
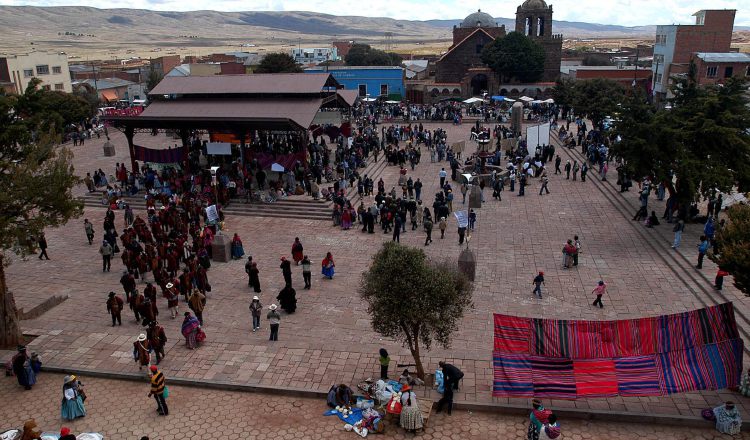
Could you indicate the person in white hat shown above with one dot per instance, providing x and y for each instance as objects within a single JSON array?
[
  {"x": 172, "y": 299},
  {"x": 274, "y": 319},
  {"x": 141, "y": 348},
  {"x": 255, "y": 309}
]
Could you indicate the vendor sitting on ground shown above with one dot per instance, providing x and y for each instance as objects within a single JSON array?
[
  {"x": 340, "y": 395},
  {"x": 726, "y": 416},
  {"x": 407, "y": 379}
]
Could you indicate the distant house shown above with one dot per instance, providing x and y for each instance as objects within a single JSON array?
[
  {"x": 50, "y": 68},
  {"x": 375, "y": 81},
  {"x": 416, "y": 69},
  {"x": 112, "y": 89}
]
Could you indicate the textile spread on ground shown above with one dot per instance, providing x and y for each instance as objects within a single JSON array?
[{"x": 655, "y": 356}]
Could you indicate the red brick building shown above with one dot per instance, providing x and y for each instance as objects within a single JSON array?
[
  {"x": 715, "y": 68},
  {"x": 676, "y": 45},
  {"x": 624, "y": 75}
]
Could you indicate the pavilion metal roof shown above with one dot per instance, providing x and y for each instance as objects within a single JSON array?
[{"x": 253, "y": 84}]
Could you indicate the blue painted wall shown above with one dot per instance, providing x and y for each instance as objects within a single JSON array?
[{"x": 371, "y": 77}]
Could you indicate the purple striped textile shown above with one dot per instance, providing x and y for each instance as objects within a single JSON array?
[{"x": 651, "y": 356}]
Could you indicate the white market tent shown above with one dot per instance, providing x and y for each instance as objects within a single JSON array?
[
  {"x": 368, "y": 99},
  {"x": 549, "y": 101},
  {"x": 526, "y": 99},
  {"x": 393, "y": 102},
  {"x": 509, "y": 99},
  {"x": 473, "y": 100}
]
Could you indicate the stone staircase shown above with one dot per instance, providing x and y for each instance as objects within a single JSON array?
[{"x": 294, "y": 207}]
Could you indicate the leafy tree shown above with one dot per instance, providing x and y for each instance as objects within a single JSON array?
[
  {"x": 734, "y": 245},
  {"x": 278, "y": 63},
  {"x": 702, "y": 141},
  {"x": 365, "y": 55},
  {"x": 596, "y": 59},
  {"x": 413, "y": 300},
  {"x": 564, "y": 93},
  {"x": 597, "y": 98},
  {"x": 154, "y": 78},
  {"x": 515, "y": 56},
  {"x": 36, "y": 177},
  {"x": 90, "y": 96}
]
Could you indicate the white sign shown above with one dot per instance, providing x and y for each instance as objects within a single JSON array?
[
  {"x": 212, "y": 213},
  {"x": 537, "y": 135},
  {"x": 219, "y": 148},
  {"x": 463, "y": 218}
]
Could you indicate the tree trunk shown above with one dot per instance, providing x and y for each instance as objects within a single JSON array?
[
  {"x": 417, "y": 360},
  {"x": 412, "y": 340},
  {"x": 10, "y": 332}
]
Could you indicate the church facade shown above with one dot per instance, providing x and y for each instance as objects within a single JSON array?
[{"x": 461, "y": 67}]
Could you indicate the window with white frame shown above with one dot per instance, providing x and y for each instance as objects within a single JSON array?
[
  {"x": 28, "y": 73},
  {"x": 711, "y": 71},
  {"x": 56, "y": 70},
  {"x": 42, "y": 69},
  {"x": 59, "y": 86}
]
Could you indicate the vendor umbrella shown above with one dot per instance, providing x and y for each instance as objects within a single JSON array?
[
  {"x": 473, "y": 100},
  {"x": 277, "y": 167}
]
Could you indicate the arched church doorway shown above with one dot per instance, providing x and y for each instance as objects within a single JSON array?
[{"x": 478, "y": 84}]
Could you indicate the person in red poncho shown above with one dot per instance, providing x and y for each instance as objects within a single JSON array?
[{"x": 297, "y": 251}]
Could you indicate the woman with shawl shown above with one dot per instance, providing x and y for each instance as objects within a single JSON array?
[
  {"x": 190, "y": 328},
  {"x": 538, "y": 417},
  {"x": 237, "y": 250},
  {"x": 411, "y": 417},
  {"x": 72, "y": 401},
  {"x": 328, "y": 266},
  {"x": 346, "y": 219},
  {"x": 21, "y": 365},
  {"x": 550, "y": 430}
]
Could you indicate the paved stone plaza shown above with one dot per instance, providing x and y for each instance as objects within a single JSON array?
[
  {"x": 121, "y": 411},
  {"x": 329, "y": 339}
]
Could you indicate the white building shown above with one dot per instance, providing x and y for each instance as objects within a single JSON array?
[
  {"x": 51, "y": 68},
  {"x": 314, "y": 55}
]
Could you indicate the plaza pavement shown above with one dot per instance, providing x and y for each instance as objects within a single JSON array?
[
  {"x": 329, "y": 339},
  {"x": 120, "y": 410}
]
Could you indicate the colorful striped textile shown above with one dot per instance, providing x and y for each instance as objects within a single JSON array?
[{"x": 653, "y": 356}]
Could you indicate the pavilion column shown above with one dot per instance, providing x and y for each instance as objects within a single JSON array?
[
  {"x": 185, "y": 149},
  {"x": 242, "y": 147},
  {"x": 129, "y": 135}
]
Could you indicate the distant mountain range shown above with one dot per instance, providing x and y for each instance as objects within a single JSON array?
[{"x": 126, "y": 28}]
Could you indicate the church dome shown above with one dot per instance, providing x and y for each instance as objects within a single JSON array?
[
  {"x": 534, "y": 4},
  {"x": 478, "y": 19}
]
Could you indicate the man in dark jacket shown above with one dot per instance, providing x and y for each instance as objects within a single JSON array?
[{"x": 286, "y": 270}]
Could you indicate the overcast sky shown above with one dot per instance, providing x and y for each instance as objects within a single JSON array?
[{"x": 622, "y": 12}]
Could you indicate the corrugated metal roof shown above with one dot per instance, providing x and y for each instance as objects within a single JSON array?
[
  {"x": 105, "y": 83},
  {"x": 349, "y": 96},
  {"x": 724, "y": 57},
  {"x": 254, "y": 84},
  {"x": 299, "y": 111}
]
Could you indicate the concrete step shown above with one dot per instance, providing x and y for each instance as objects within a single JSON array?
[{"x": 296, "y": 208}]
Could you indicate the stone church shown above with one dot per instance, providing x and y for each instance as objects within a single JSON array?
[{"x": 462, "y": 67}]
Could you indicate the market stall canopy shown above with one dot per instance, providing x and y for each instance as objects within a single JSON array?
[
  {"x": 393, "y": 102},
  {"x": 510, "y": 99},
  {"x": 369, "y": 99},
  {"x": 549, "y": 101},
  {"x": 277, "y": 167},
  {"x": 526, "y": 99},
  {"x": 473, "y": 100},
  {"x": 498, "y": 98}
]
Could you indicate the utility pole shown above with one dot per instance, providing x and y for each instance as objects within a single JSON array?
[{"x": 635, "y": 71}]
